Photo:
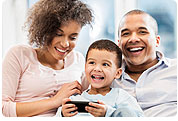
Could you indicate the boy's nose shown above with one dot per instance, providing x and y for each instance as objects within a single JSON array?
[{"x": 97, "y": 68}]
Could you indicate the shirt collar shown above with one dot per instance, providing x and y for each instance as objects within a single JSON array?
[{"x": 161, "y": 58}]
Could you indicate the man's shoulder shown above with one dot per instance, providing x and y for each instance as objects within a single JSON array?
[{"x": 171, "y": 61}]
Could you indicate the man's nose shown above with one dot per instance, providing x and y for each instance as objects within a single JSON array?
[{"x": 134, "y": 38}]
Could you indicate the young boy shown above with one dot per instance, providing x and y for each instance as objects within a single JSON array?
[{"x": 103, "y": 65}]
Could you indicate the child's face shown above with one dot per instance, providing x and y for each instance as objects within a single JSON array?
[{"x": 101, "y": 68}]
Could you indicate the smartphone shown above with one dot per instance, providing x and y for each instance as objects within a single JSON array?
[{"x": 80, "y": 105}]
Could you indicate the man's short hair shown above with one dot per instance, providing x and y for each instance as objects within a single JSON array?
[{"x": 137, "y": 12}]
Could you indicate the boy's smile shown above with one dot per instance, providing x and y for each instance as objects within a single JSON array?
[
  {"x": 101, "y": 68},
  {"x": 97, "y": 78}
]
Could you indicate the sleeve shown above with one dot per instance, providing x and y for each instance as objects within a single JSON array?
[
  {"x": 85, "y": 83},
  {"x": 59, "y": 111},
  {"x": 110, "y": 111},
  {"x": 11, "y": 71},
  {"x": 127, "y": 106}
]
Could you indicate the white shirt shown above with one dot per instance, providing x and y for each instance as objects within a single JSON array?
[
  {"x": 156, "y": 88},
  {"x": 116, "y": 99}
]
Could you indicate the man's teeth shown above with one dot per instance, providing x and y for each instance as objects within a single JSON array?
[
  {"x": 60, "y": 50},
  {"x": 135, "y": 49}
]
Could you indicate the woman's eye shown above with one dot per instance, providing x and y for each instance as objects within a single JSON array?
[
  {"x": 57, "y": 34},
  {"x": 105, "y": 64},
  {"x": 73, "y": 38}
]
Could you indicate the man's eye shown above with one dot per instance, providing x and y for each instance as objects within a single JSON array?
[
  {"x": 125, "y": 34},
  {"x": 143, "y": 32},
  {"x": 105, "y": 64}
]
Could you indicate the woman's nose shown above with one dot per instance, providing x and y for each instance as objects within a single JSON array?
[{"x": 65, "y": 43}]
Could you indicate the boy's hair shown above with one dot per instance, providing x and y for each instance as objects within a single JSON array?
[
  {"x": 46, "y": 16},
  {"x": 107, "y": 45}
]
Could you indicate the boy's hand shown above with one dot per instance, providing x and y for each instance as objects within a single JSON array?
[
  {"x": 68, "y": 108},
  {"x": 98, "y": 110}
]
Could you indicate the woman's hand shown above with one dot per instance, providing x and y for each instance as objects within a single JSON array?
[
  {"x": 68, "y": 108},
  {"x": 66, "y": 91},
  {"x": 25, "y": 109},
  {"x": 98, "y": 110}
]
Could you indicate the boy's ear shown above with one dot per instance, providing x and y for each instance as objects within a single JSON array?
[
  {"x": 118, "y": 42},
  {"x": 118, "y": 73}
]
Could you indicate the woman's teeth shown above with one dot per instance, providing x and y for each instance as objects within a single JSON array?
[{"x": 63, "y": 51}]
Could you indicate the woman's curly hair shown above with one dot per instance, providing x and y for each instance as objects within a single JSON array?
[{"x": 46, "y": 16}]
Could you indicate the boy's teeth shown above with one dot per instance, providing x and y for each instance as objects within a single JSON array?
[{"x": 97, "y": 77}]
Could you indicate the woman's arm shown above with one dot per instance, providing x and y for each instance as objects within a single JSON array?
[
  {"x": 11, "y": 74},
  {"x": 37, "y": 107},
  {"x": 11, "y": 71},
  {"x": 33, "y": 108}
]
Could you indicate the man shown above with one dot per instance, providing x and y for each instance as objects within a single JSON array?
[{"x": 147, "y": 74}]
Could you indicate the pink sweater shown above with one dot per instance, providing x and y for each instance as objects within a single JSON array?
[{"x": 25, "y": 79}]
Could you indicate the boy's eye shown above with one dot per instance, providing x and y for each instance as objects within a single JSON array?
[
  {"x": 105, "y": 64},
  {"x": 91, "y": 62}
]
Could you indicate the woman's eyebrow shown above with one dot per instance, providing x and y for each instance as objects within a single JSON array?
[
  {"x": 74, "y": 34},
  {"x": 63, "y": 32},
  {"x": 60, "y": 30}
]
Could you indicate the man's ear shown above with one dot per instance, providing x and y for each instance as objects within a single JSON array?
[
  {"x": 118, "y": 73},
  {"x": 157, "y": 40}
]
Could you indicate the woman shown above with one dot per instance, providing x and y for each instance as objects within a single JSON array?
[{"x": 35, "y": 80}]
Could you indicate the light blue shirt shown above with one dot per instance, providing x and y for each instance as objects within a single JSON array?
[
  {"x": 119, "y": 103},
  {"x": 156, "y": 88}
]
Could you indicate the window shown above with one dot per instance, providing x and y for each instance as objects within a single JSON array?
[{"x": 165, "y": 12}]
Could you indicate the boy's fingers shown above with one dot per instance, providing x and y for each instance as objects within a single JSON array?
[
  {"x": 73, "y": 114},
  {"x": 100, "y": 102},
  {"x": 65, "y": 100}
]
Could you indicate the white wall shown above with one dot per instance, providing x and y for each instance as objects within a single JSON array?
[
  {"x": 121, "y": 7},
  {"x": 13, "y": 18}
]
